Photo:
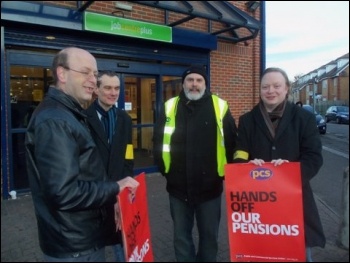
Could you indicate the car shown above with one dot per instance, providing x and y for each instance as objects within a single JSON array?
[
  {"x": 340, "y": 114},
  {"x": 320, "y": 121}
]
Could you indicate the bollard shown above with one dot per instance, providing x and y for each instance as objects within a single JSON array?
[{"x": 343, "y": 239}]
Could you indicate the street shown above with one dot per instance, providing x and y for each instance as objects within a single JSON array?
[
  {"x": 19, "y": 226},
  {"x": 328, "y": 183}
]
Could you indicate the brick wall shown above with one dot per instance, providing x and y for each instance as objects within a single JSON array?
[
  {"x": 234, "y": 67},
  {"x": 344, "y": 86}
]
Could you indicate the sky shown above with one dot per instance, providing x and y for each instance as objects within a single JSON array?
[{"x": 305, "y": 35}]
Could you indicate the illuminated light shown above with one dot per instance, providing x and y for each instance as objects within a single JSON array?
[{"x": 123, "y": 6}]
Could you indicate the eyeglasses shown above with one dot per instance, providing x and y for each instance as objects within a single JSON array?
[{"x": 85, "y": 73}]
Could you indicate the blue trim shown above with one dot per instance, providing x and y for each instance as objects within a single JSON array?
[
  {"x": 98, "y": 43},
  {"x": 4, "y": 131},
  {"x": 194, "y": 39}
]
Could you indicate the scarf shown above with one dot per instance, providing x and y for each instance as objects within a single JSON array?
[
  {"x": 272, "y": 118},
  {"x": 108, "y": 119}
]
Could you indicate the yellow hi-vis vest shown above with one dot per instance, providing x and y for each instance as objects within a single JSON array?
[{"x": 220, "y": 107}]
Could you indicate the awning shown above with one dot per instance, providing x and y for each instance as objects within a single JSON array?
[
  {"x": 235, "y": 25},
  {"x": 238, "y": 26}
]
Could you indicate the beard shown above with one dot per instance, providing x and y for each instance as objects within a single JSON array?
[{"x": 194, "y": 96}]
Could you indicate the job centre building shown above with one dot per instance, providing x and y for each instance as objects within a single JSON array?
[{"x": 148, "y": 43}]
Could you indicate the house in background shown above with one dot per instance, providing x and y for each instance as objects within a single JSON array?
[{"x": 328, "y": 85}]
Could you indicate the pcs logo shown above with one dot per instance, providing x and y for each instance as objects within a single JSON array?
[{"x": 261, "y": 173}]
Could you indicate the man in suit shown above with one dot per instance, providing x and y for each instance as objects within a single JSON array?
[{"x": 111, "y": 129}]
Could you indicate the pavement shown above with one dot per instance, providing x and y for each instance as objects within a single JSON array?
[{"x": 19, "y": 238}]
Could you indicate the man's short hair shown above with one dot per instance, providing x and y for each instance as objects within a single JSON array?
[{"x": 109, "y": 73}]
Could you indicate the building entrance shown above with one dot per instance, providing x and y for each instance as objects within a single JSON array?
[
  {"x": 140, "y": 101},
  {"x": 142, "y": 94}
]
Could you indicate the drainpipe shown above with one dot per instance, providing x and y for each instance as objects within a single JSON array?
[
  {"x": 262, "y": 36},
  {"x": 314, "y": 89}
]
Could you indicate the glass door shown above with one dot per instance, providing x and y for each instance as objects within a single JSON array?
[
  {"x": 139, "y": 97},
  {"x": 171, "y": 87},
  {"x": 28, "y": 84}
]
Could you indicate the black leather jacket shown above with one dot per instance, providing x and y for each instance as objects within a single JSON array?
[{"x": 67, "y": 178}]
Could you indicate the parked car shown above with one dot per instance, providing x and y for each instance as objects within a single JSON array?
[
  {"x": 340, "y": 114},
  {"x": 320, "y": 121}
]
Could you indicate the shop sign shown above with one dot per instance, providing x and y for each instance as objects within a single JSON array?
[{"x": 126, "y": 27}]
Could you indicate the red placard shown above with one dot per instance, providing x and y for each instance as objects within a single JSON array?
[
  {"x": 135, "y": 223},
  {"x": 265, "y": 212}
]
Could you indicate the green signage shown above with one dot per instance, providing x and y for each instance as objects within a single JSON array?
[{"x": 126, "y": 27}]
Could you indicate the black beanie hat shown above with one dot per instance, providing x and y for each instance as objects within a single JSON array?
[{"x": 198, "y": 70}]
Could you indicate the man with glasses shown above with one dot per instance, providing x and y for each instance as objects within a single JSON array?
[
  {"x": 111, "y": 129},
  {"x": 66, "y": 173}
]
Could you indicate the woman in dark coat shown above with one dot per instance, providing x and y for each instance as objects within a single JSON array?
[{"x": 278, "y": 131}]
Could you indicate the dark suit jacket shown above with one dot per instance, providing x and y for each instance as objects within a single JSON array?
[
  {"x": 297, "y": 139},
  {"x": 113, "y": 156}
]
